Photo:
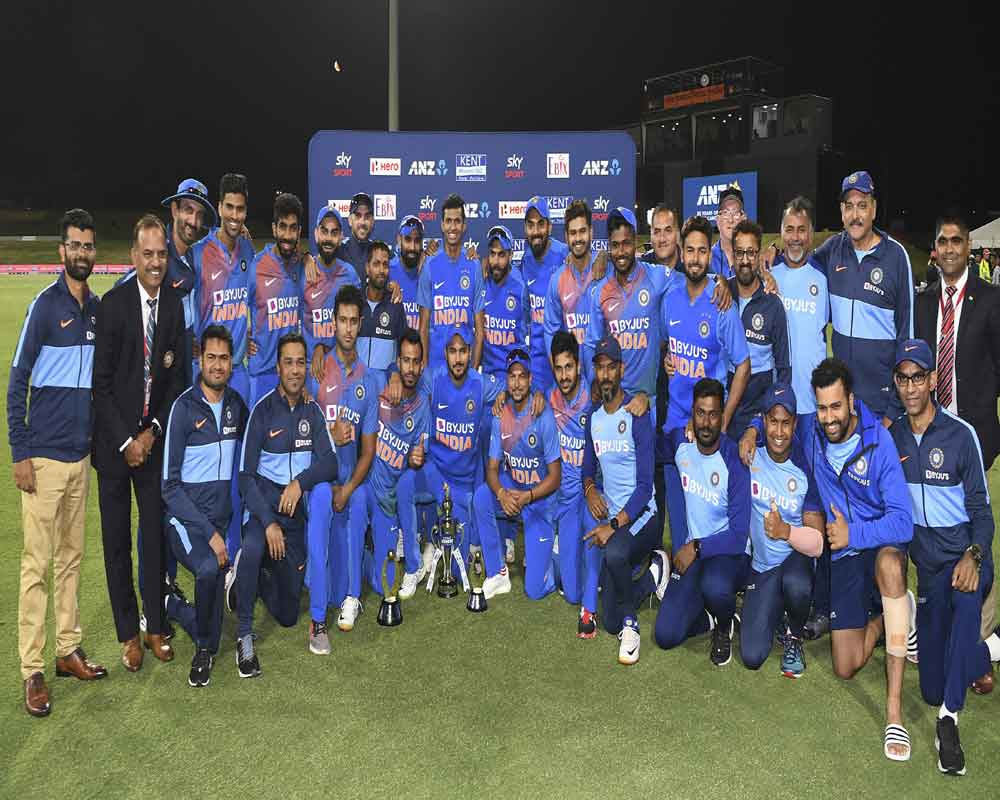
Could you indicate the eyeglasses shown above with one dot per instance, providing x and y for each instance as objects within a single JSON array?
[
  {"x": 750, "y": 254},
  {"x": 917, "y": 379},
  {"x": 74, "y": 246},
  {"x": 732, "y": 213}
]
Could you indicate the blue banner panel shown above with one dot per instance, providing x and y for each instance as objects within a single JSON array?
[
  {"x": 701, "y": 195},
  {"x": 495, "y": 173}
]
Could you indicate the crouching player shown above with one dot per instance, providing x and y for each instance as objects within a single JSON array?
[
  {"x": 785, "y": 523},
  {"x": 952, "y": 544},
  {"x": 287, "y": 450},
  {"x": 524, "y": 490},
  {"x": 205, "y": 428}
]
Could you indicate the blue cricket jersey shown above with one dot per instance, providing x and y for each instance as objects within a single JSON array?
[
  {"x": 222, "y": 288},
  {"x": 400, "y": 429},
  {"x": 719, "y": 264},
  {"x": 804, "y": 292},
  {"x": 407, "y": 281},
  {"x": 567, "y": 308},
  {"x": 537, "y": 274},
  {"x": 524, "y": 445},
  {"x": 274, "y": 290},
  {"x": 452, "y": 292},
  {"x": 348, "y": 393},
  {"x": 506, "y": 323},
  {"x": 318, "y": 298},
  {"x": 571, "y": 417}
]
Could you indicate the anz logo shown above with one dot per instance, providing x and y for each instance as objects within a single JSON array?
[
  {"x": 602, "y": 167},
  {"x": 428, "y": 168},
  {"x": 478, "y": 210}
]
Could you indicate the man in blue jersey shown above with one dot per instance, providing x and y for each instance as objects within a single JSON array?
[
  {"x": 347, "y": 396},
  {"x": 204, "y": 430},
  {"x": 274, "y": 292},
  {"x": 542, "y": 257},
  {"x": 505, "y": 305},
  {"x": 450, "y": 291},
  {"x": 621, "y": 513},
  {"x": 50, "y": 451},
  {"x": 786, "y": 520},
  {"x": 404, "y": 269},
  {"x": 764, "y": 323},
  {"x": 730, "y": 214},
  {"x": 524, "y": 490},
  {"x": 383, "y": 320},
  {"x": 287, "y": 450},
  {"x": 869, "y": 525},
  {"x": 710, "y": 564},
  {"x": 952, "y": 544},
  {"x": 578, "y": 566}
]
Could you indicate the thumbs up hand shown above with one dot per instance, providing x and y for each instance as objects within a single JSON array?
[
  {"x": 774, "y": 526},
  {"x": 836, "y": 529}
]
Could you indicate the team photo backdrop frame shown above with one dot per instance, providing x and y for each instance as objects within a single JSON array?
[{"x": 495, "y": 173}]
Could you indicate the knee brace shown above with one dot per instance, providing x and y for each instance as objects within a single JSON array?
[{"x": 896, "y": 618}]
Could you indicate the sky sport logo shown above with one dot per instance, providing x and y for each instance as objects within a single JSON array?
[
  {"x": 391, "y": 167},
  {"x": 342, "y": 167},
  {"x": 600, "y": 210},
  {"x": 428, "y": 168},
  {"x": 512, "y": 209},
  {"x": 427, "y": 212},
  {"x": 385, "y": 206},
  {"x": 602, "y": 167},
  {"x": 470, "y": 166},
  {"x": 514, "y": 169},
  {"x": 557, "y": 165}
]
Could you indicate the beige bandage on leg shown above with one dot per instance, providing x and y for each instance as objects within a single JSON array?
[{"x": 896, "y": 619}]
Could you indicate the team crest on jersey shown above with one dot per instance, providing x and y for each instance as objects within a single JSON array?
[
  {"x": 937, "y": 458},
  {"x": 383, "y": 319},
  {"x": 464, "y": 282},
  {"x": 470, "y": 406},
  {"x": 583, "y": 420},
  {"x": 168, "y": 359},
  {"x": 93, "y": 320},
  {"x": 532, "y": 440},
  {"x": 813, "y": 289},
  {"x": 360, "y": 392},
  {"x": 714, "y": 479},
  {"x": 511, "y": 302},
  {"x": 229, "y": 413},
  {"x": 621, "y": 427},
  {"x": 243, "y": 265},
  {"x": 303, "y": 427},
  {"x": 703, "y": 329},
  {"x": 792, "y": 484},
  {"x": 861, "y": 466},
  {"x": 644, "y": 297},
  {"x": 408, "y": 424},
  {"x": 757, "y": 322},
  {"x": 876, "y": 276}
]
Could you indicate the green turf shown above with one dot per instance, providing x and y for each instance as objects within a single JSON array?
[{"x": 507, "y": 704}]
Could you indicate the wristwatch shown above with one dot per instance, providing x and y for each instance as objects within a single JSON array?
[
  {"x": 154, "y": 426},
  {"x": 697, "y": 549},
  {"x": 977, "y": 554},
  {"x": 614, "y": 523}
]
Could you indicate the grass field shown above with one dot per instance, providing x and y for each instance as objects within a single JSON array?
[{"x": 507, "y": 704}]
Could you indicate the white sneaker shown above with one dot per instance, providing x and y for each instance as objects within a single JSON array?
[
  {"x": 508, "y": 555},
  {"x": 349, "y": 611},
  {"x": 411, "y": 580},
  {"x": 663, "y": 580},
  {"x": 497, "y": 584},
  {"x": 912, "y": 653},
  {"x": 628, "y": 649}
]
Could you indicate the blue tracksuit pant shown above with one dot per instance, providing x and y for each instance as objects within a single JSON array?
[
  {"x": 709, "y": 584},
  {"x": 784, "y": 588}
]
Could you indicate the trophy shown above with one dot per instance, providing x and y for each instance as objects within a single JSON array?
[
  {"x": 446, "y": 535},
  {"x": 390, "y": 613},
  {"x": 477, "y": 600}
]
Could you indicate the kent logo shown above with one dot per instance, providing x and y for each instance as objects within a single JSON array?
[
  {"x": 342, "y": 167},
  {"x": 709, "y": 194},
  {"x": 601, "y": 167},
  {"x": 513, "y": 169},
  {"x": 427, "y": 212}
]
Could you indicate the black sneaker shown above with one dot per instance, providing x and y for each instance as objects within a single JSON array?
[
  {"x": 201, "y": 668},
  {"x": 951, "y": 759},
  {"x": 722, "y": 644},
  {"x": 246, "y": 657},
  {"x": 816, "y": 626}
]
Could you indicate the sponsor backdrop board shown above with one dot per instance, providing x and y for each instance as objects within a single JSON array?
[
  {"x": 495, "y": 173},
  {"x": 701, "y": 195}
]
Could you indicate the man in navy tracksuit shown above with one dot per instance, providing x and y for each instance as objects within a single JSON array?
[
  {"x": 204, "y": 430},
  {"x": 287, "y": 450},
  {"x": 354, "y": 249},
  {"x": 383, "y": 321},
  {"x": 952, "y": 543}
]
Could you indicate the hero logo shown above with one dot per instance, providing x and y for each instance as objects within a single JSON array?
[
  {"x": 470, "y": 166},
  {"x": 512, "y": 209},
  {"x": 709, "y": 194},
  {"x": 557, "y": 165},
  {"x": 427, "y": 168},
  {"x": 427, "y": 212},
  {"x": 558, "y": 205},
  {"x": 600, "y": 210},
  {"x": 385, "y": 206},
  {"x": 342, "y": 168},
  {"x": 602, "y": 167},
  {"x": 478, "y": 210},
  {"x": 343, "y": 206},
  {"x": 513, "y": 170},
  {"x": 385, "y": 166}
]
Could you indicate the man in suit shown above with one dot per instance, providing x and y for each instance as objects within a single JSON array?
[
  {"x": 137, "y": 376},
  {"x": 959, "y": 317}
]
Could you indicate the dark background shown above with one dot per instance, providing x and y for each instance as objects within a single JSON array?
[{"x": 109, "y": 104}]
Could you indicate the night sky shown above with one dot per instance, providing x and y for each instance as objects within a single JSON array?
[{"x": 109, "y": 104}]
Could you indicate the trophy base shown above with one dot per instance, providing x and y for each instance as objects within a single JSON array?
[
  {"x": 390, "y": 613},
  {"x": 447, "y": 588},
  {"x": 477, "y": 601}
]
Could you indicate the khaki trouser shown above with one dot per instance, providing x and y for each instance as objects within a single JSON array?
[
  {"x": 53, "y": 521},
  {"x": 990, "y": 611}
]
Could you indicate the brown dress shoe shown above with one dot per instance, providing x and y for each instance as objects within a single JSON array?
[
  {"x": 76, "y": 665},
  {"x": 984, "y": 685},
  {"x": 36, "y": 696},
  {"x": 158, "y": 645},
  {"x": 132, "y": 654}
]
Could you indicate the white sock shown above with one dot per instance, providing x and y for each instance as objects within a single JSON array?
[
  {"x": 944, "y": 712},
  {"x": 993, "y": 643}
]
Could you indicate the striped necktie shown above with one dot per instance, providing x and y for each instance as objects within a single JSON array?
[
  {"x": 946, "y": 350},
  {"x": 148, "y": 353}
]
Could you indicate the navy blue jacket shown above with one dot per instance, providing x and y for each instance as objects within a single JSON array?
[
  {"x": 951, "y": 502},
  {"x": 55, "y": 356},
  {"x": 355, "y": 253},
  {"x": 283, "y": 444},
  {"x": 380, "y": 332},
  {"x": 199, "y": 461}
]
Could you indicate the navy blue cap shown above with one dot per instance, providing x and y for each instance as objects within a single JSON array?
[
  {"x": 329, "y": 211},
  {"x": 518, "y": 356},
  {"x": 502, "y": 235},
  {"x": 859, "y": 181},
  {"x": 540, "y": 204},
  {"x": 409, "y": 224},
  {"x": 779, "y": 394},
  {"x": 626, "y": 214},
  {"x": 193, "y": 189},
  {"x": 362, "y": 199},
  {"x": 917, "y": 351},
  {"x": 732, "y": 190},
  {"x": 608, "y": 346}
]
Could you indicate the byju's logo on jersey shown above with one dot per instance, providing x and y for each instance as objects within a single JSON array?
[
  {"x": 478, "y": 210},
  {"x": 599, "y": 212},
  {"x": 342, "y": 166},
  {"x": 513, "y": 170},
  {"x": 390, "y": 167},
  {"x": 385, "y": 206},
  {"x": 557, "y": 165},
  {"x": 558, "y": 205},
  {"x": 470, "y": 166},
  {"x": 427, "y": 168},
  {"x": 512, "y": 209},
  {"x": 602, "y": 167},
  {"x": 427, "y": 212}
]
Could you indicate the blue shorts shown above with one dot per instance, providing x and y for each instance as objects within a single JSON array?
[{"x": 854, "y": 595}]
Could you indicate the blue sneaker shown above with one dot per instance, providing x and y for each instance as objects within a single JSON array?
[{"x": 793, "y": 661}]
